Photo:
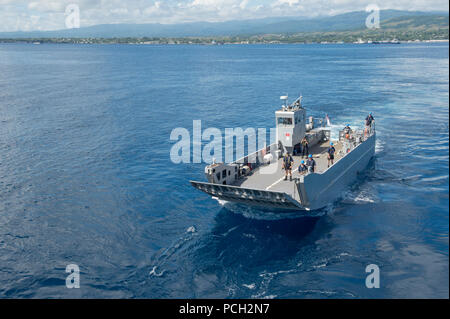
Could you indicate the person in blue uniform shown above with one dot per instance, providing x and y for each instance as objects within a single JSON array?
[
  {"x": 311, "y": 163},
  {"x": 369, "y": 122},
  {"x": 331, "y": 150},
  {"x": 302, "y": 169},
  {"x": 369, "y": 119}
]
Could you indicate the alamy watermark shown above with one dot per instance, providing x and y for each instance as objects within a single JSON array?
[
  {"x": 373, "y": 279},
  {"x": 220, "y": 147},
  {"x": 73, "y": 279},
  {"x": 373, "y": 19},
  {"x": 72, "y": 16}
]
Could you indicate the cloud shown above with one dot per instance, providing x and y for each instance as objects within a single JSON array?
[
  {"x": 290, "y": 3},
  {"x": 46, "y": 6},
  {"x": 243, "y": 4},
  {"x": 49, "y": 14}
]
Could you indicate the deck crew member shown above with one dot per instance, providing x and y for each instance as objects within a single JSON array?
[
  {"x": 302, "y": 169},
  {"x": 287, "y": 165},
  {"x": 305, "y": 147},
  {"x": 369, "y": 121},
  {"x": 331, "y": 150},
  {"x": 347, "y": 131},
  {"x": 311, "y": 163}
]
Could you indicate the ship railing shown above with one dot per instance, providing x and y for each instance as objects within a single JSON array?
[
  {"x": 369, "y": 130},
  {"x": 296, "y": 104},
  {"x": 355, "y": 137},
  {"x": 350, "y": 141},
  {"x": 319, "y": 122},
  {"x": 315, "y": 122},
  {"x": 372, "y": 128},
  {"x": 255, "y": 159}
]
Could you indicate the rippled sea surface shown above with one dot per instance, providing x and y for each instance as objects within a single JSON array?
[{"x": 86, "y": 176}]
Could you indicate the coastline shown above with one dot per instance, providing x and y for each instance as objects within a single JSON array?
[{"x": 119, "y": 41}]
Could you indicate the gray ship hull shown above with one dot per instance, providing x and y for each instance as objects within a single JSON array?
[{"x": 322, "y": 189}]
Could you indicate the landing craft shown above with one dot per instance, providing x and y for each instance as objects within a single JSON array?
[{"x": 258, "y": 178}]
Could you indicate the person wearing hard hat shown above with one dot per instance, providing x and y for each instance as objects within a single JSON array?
[
  {"x": 331, "y": 150},
  {"x": 347, "y": 131},
  {"x": 302, "y": 169},
  {"x": 311, "y": 163},
  {"x": 369, "y": 121}
]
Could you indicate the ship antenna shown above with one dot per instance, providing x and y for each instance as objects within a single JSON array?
[{"x": 284, "y": 98}]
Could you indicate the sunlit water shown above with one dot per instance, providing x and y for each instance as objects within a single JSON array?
[{"x": 86, "y": 178}]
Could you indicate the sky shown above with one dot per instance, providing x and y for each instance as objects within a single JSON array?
[{"x": 23, "y": 15}]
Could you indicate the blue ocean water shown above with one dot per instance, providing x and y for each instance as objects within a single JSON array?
[{"x": 86, "y": 177}]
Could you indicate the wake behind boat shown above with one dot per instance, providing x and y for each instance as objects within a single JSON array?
[{"x": 260, "y": 178}]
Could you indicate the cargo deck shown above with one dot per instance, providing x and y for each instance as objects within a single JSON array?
[{"x": 260, "y": 179}]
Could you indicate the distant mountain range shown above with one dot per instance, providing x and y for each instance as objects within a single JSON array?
[{"x": 352, "y": 21}]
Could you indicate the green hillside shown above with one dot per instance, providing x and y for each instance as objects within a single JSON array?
[
  {"x": 411, "y": 27},
  {"x": 429, "y": 22}
]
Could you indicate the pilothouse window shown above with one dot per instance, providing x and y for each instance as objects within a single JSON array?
[{"x": 285, "y": 120}]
